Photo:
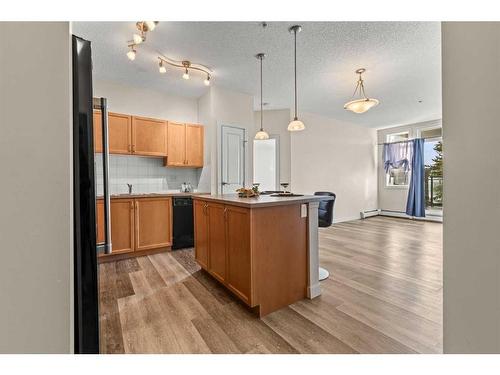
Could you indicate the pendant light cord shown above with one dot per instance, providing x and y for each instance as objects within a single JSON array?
[
  {"x": 295, "y": 69},
  {"x": 261, "y": 99}
]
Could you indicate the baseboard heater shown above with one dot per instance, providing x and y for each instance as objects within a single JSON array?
[{"x": 369, "y": 213}]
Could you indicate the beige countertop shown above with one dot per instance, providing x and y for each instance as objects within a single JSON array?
[
  {"x": 260, "y": 201},
  {"x": 152, "y": 195}
]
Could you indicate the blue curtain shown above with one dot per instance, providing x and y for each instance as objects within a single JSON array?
[{"x": 415, "y": 206}]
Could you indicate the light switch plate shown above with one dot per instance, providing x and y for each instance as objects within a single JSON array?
[{"x": 303, "y": 210}]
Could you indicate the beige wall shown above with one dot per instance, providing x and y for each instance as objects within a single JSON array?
[
  {"x": 276, "y": 123},
  {"x": 144, "y": 102},
  {"x": 225, "y": 107},
  {"x": 336, "y": 156},
  {"x": 393, "y": 198},
  {"x": 36, "y": 236},
  {"x": 471, "y": 128}
]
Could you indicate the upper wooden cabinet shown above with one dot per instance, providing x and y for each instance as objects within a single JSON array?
[
  {"x": 194, "y": 145},
  {"x": 180, "y": 144},
  {"x": 185, "y": 145},
  {"x": 120, "y": 133},
  {"x": 176, "y": 144},
  {"x": 149, "y": 136}
]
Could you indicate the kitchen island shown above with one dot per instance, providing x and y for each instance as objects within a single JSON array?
[{"x": 263, "y": 249}]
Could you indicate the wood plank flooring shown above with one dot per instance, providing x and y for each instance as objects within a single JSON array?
[{"x": 384, "y": 295}]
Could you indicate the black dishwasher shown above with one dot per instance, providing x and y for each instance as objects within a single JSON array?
[{"x": 183, "y": 223}]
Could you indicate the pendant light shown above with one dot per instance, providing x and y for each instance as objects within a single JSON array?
[
  {"x": 364, "y": 103},
  {"x": 261, "y": 134},
  {"x": 296, "y": 124}
]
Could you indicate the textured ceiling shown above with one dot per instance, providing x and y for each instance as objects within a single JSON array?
[{"x": 403, "y": 62}]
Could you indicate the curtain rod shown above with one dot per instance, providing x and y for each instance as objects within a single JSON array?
[{"x": 390, "y": 143}]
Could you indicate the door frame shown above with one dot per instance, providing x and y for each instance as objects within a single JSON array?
[
  {"x": 276, "y": 137},
  {"x": 221, "y": 153}
]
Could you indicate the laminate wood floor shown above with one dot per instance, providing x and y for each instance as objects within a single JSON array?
[{"x": 384, "y": 295}]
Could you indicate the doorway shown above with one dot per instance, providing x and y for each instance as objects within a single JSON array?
[
  {"x": 266, "y": 163},
  {"x": 232, "y": 159}
]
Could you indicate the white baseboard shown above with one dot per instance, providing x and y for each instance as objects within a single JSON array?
[{"x": 403, "y": 215}]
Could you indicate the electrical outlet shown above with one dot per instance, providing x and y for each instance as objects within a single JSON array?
[{"x": 303, "y": 210}]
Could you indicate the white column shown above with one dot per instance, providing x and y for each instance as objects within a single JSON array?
[{"x": 313, "y": 288}]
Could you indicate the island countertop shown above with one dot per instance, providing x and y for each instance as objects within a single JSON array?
[{"x": 259, "y": 201}]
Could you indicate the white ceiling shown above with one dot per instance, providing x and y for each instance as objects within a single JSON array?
[{"x": 403, "y": 62}]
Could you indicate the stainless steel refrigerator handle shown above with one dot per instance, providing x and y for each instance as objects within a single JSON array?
[{"x": 108, "y": 246}]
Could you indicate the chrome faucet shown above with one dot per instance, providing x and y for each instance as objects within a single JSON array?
[{"x": 130, "y": 188}]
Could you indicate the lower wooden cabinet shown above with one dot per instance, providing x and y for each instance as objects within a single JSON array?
[
  {"x": 137, "y": 224},
  {"x": 153, "y": 218},
  {"x": 222, "y": 245}
]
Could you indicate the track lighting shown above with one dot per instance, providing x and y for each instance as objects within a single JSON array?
[
  {"x": 131, "y": 53},
  {"x": 187, "y": 68},
  {"x": 162, "y": 68},
  {"x": 139, "y": 38}
]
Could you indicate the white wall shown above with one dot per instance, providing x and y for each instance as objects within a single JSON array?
[
  {"x": 36, "y": 222},
  {"x": 471, "y": 92},
  {"x": 393, "y": 198},
  {"x": 225, "y": 107},
  {"x": 276, "y": 123},
  {"x": 148, "y": 103},
  {"x": 331, "y": 155}
]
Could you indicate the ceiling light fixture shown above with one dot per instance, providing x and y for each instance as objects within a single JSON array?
[
  {"x": 131, "y": 53},
  {"x": 295, "y": 125},
  {"x": 187, "y": 66},
  {"x": 261, "y": 134},
  {"x": 139, "y": 38},
  {"x": 364, "y": 103},
  {"x": 161, "y": 67}
]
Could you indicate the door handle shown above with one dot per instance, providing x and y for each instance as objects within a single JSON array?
[{"x": 224, "y": 183}]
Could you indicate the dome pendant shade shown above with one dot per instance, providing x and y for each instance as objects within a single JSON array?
[
  {"x": 360, "y": 105},
  {"x": 296, "y": 125},
  {"x": 364, "y": 103},
  {"x": 261, "y": 135}
]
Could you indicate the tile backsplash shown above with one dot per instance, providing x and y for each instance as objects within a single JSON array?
[{"x": 147, "y": 175}]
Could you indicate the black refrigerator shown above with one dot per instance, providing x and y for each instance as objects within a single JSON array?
[{"x": 86, "y": 288}]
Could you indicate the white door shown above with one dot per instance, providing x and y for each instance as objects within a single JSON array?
[
  {"x": 266, "y": 163},
  {"x": 232, "y": 159}
]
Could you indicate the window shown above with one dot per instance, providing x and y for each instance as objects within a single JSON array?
[
  {"x": 433, "y": 159},
  {"x": 266, "y": 163},
  {"x": 397, "y": 176}
]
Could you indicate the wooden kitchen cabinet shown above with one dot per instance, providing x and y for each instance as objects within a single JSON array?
[
  {"x": 153, "y": 223},
  {"x": 119, "y": 136},
  {"x": 176, "y": 144},
  {"x": 122, "y": 225},
  {"x": 238, "y": 249},
  {"x": 201, "y": 233},
  {"x": 185, "y": 145},
  {"x": 222, "y": 238},
  {"x": 149, "y": 136},
  {"x": 194, "y": 145},
  {"x": 217, "y": 241}
]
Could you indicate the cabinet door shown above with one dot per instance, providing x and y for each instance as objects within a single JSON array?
[
  {"x": 194, "y": 145},
  {"x": 100, "y": 221},
  {"x": 149, "y": 137},
  {"x": 201, "y": 233},
  {"x": 176, "y": 140},
  {"x": 97, "y": 124},
  {"x": 238, "y": 251},
  {"x": 122, "y": 225},
  {"x": 217, "y": 241},
  {"x": 120, "y": 133},
  {"x": 153, "y": 223}
]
